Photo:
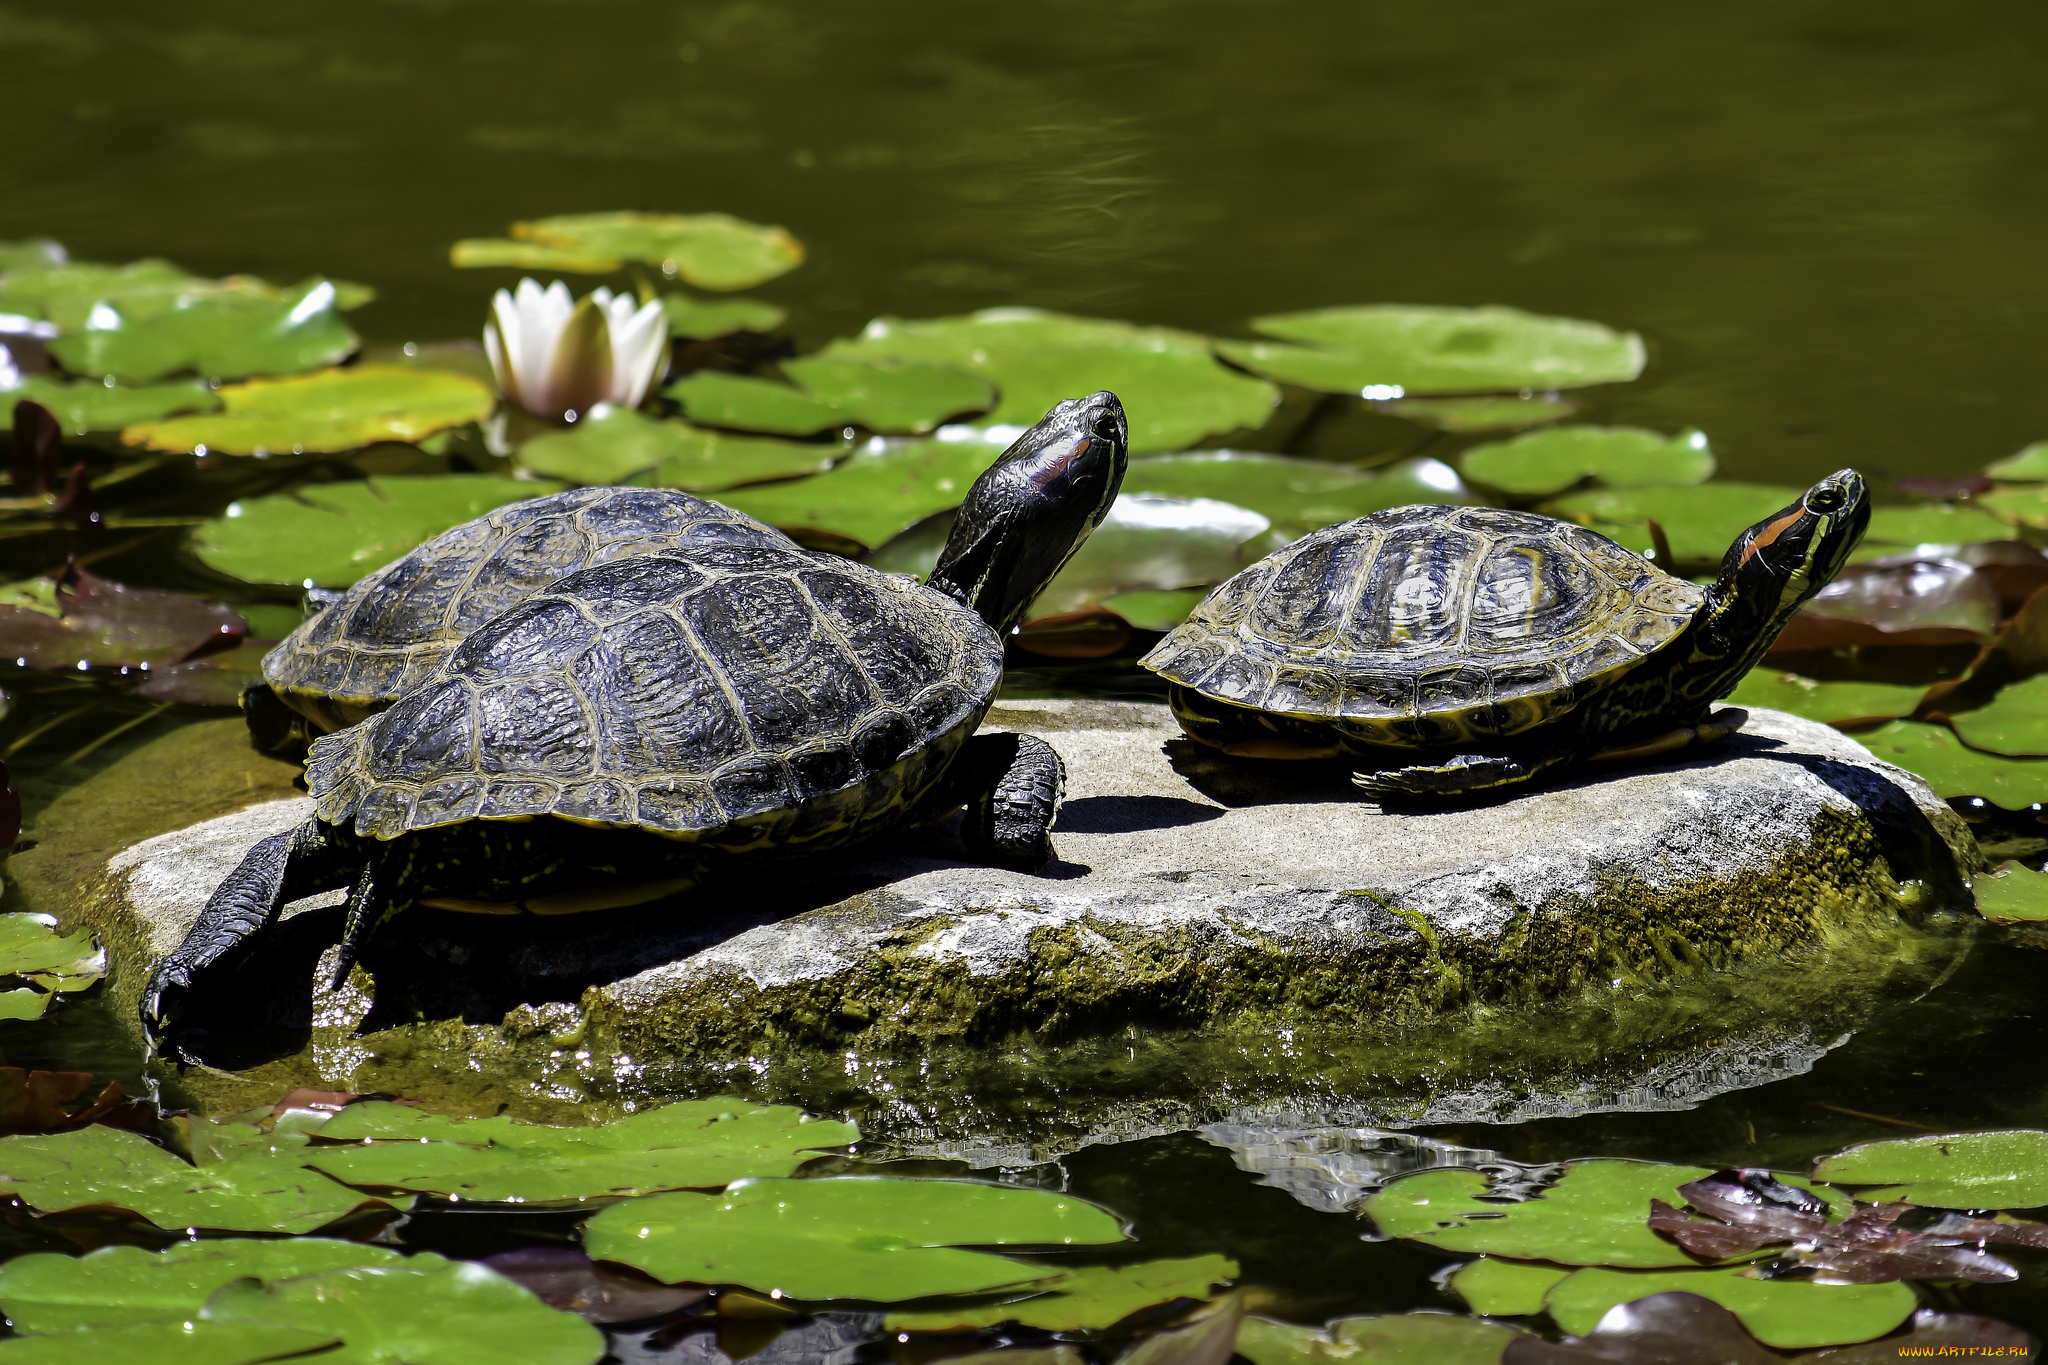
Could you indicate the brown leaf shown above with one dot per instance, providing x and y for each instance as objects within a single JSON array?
[
  {"x": 107, "y": 623},
  {"x": 1091, "y": 634},
  {"x": 35, "y": 1102},
  {"x": 37, "y": 441},
  {"x": 1903, "y": 600},
  {"x": 565, "y": 1278},
  {"x": 1661, "y": 1329}
]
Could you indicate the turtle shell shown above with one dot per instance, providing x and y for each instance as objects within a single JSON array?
[
  {"x": 393, "y": 629},
  {"x": 1429, "y": 624},
  {"x": 753, "y": 694}
]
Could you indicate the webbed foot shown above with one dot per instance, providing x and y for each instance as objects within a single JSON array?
[
  {"x": 1009, "y": 820},
  {"x": 1463, "y": 774}
]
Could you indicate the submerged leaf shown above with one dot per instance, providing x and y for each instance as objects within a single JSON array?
[
  {"x": 1417, "y": 349},
  {"x": 329, "y": 410},
  {"x": 847, "y": 1237},
  {"x": 1835, "y": 703},
  {"x": 1173, "y": 391},
  {"x": 1952, "y": 770},
  {"x": 1593, "y": 1215},
  {"x": 210, "y": 680},
  {"x": 700, "y": 1144},
  {"x": 1087, "y": 1296},
  {"x": 1547, "y": 462},
  {"x": 622, "y": 446},
  {"x": 709, "y": 250},
  {"x": 88, "y": 405},
  {"x": 223, "y": 336},
  {"x": 1788, "y": 1314},
  {"x": 333, "y": 534},
  {"x": 1395, "y": 1339},
  {"x": 2007, "y": 1169}
]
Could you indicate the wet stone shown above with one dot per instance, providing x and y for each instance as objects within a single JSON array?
[{"x": 1217, "y": 943}]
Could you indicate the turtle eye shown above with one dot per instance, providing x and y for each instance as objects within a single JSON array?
[
  {"x": 1825, "y": 500},
  {"x": 1104, "y": 426}
]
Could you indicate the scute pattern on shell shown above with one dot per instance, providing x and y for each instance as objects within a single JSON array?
[
  {"x": 394, "y": 628},
  {"x": 1494, "y": 620},
  {"x": 680, "y": 692}
]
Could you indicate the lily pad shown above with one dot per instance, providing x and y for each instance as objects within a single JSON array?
[
  {"x": 1831, "y": 702},
  {"x": 30, "y": 254},
  {"x": 1297, "y": 496},
  {"x": 71, "y": 294},
  {"x": 709, "y": 250},
  {"x": 1155, "y": 609},
  {"x": 329, "y": 410},
  {"x": 426, "y": 1312},
  {"x": 2012, "y": 893},
  {"x": 1901, "y": 600},
  {"x": 1396, "y": 1339},
  {"x": 1893, "y": 529},
  {"x": 252, "y": 1192},
  {"x": 2015, "y": 721},
  {"x": 1499, "y": 1288},
  {"x": 618, "y": 445},
  {"x": 1787, "y": 1314},
  {"x": 33, "y": 950},
  {"x": 90, "y": 406},
  {"x": 333, "y": 534},
  {"x": 1546, "y": 462},
  {"x": 565, "y": 1278},
  {"x": 1593, "y": 1215},
  {"x": 1934, "y": 752},
  {"x": 2007, "y": 1169},
  {"x": 119, "y": 1285},
  {"x": 847, "y": 1237},
  {"x": 2028, "y": 465},
  {"x": 168, "y": 1343},
  {"x": 1152, "y": 542},
  {"x": 892, "y": 396},
  {"x": 734, "y": 400},
  {"x": 702, "y": 319},
  {"x": 1402, "y": 350},
  {"x": 696, "y": 1144},
  {"x": 86, "y": 619},
  {"x": 1701, "y": 522},
  {"x": 1087, "y": 1296},
  {"x": 1486, "y": 413},
  {"x": 212, "y": 679},
  {"x": 2026, "y": 505},
  {"x": 223, "y": 336},
  {"x": 883, "y": 488},
  {"x": 1173, "y": 391}
]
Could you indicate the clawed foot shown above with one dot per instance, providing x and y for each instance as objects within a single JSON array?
[
  {"x": 1464, "y": 774},
  {"x": 162, "y": 1001}
]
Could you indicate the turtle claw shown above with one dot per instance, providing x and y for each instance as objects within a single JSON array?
[
  {"x": 1463, "y": 773},
  {"x": 162, "y": 1001}
]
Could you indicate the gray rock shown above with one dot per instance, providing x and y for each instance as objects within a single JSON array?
[{"x": 1217, "y": 941}]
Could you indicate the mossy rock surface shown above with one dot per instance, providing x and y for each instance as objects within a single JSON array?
[{"x": 1217, "y": 939}]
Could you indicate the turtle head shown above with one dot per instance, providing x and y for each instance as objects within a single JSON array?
[
  {"x": 1777, "y": 565},
  {"x": 1031, "y": 510}
]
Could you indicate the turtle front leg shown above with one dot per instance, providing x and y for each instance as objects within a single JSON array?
[
  {"x": 279, "y": 869},
  {"x": 1463, "y": 774},
  {"x": 1013, "y": 796}
]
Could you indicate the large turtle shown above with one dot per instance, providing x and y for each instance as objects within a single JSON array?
[
  {"x": 1457, "y": 649},
  {"x": 607, "y": 740},
  {"x": 362, "y": 649}
]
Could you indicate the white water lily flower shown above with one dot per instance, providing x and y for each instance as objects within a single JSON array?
[{"x": 558, "y": 359}]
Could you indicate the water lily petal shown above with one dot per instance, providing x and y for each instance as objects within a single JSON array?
[
  {"x": 501, "y": 344},
  {"x": 639, "y": 348},
  {"x": 579, "y": 371}
]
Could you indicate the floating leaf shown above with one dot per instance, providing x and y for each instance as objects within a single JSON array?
[
  {"x": 120, "y": 1285},
  {"x": 2015, "y": 721},
  {"x": 1498, "y": 1288},
  {"x": 31, "y": 948},
  {"x": 1086, "y": 1296},
  {"x": 1893, "y": 529},
  {"x": 31, "y": 254},
  {"x": 2012, "y": 893},
  {"x": 2007, "y": 1169},
  {"x": 882, "y": 489},
  {"x": 1173, "y": 391},
  {"x": 85, "y": 619},
  {"x": 2029, "y": 465},
  {"x": 1481, "y": 414},
  {"x": 1831, "y": 702},
  {"x": 1933, "y": 752},
  {"x": 619, "y": 445},
  {"x": 1686, "y": 1329},
  {"x": 92, "y": 406},
  {"x": 1421, "y": 349},
  {"x": 36, "y": 1102},
  {"x": 1297, "y": 496},
  {"x": 1397, "y": 1339},
  {"x": 709, "y": 250},
  {"x": 1152, "y": 542},
  {"x": 1546, "y": 462},
  {"x": 1161, "y": 609},
  {"x": 71, "y": 293},
  {"x": 330, "y": 410},
  {"x": 703, "y": 319},
  {"x": 892, "y": 396},
  {"x": 700, "y": 1144},
  {"x": 1788, "y": 1314},
  {"x": 565, "y": 1278},
  {"x": 168, "y": 1343},
  {"x": 1593, "y": 1215},
  {"x": 1700, "y": 522},
  {"x": 846, "y": 1237},
  {"x": 333, "y": 534},
  {"x": 734, "y": 400},
  {"x": 225, "y": 336},
  {"x": 210, "y": 680},
  {"x": 99, "y": 1165},
  {"x": 426, "y": 1312},
  {"x": 1917, "y": 602}
]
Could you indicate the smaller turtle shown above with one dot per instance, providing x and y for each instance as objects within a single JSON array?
[
  {"x": 614, "y": 737},
  {"x": 1461, "y": 649},
  {"x": 359, "y": 650}
]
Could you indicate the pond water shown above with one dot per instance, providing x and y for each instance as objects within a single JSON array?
[{"x": 1823, "y": 218}]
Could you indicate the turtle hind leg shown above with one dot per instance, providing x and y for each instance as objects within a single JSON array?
[
  {"x": 367, "y": 906},
  {"x": 281, "y": 868},
  {"x": 1012, "y": 800},
  {"x": 1463, "y": 774}
]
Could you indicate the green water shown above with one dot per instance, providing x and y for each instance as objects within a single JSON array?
[{"x": 1825, "y": 218}]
